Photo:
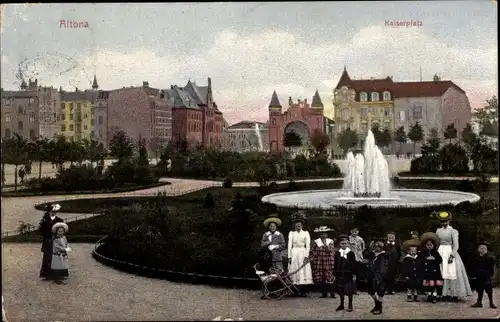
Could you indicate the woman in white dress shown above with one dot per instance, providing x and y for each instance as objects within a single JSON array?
[
  {"x": 299, "y": 245},
  {"x": 456, "y": 282}
]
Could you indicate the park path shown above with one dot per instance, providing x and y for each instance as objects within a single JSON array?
[{"x": 92, "y": 289}]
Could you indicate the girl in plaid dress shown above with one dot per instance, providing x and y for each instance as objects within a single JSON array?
[{"x": 322, "y": 260}]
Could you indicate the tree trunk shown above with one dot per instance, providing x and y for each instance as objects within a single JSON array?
[
  {"x": 15, "y": 177},
  {"x": 414, "y": 148},
  {"x": 39, "y": 169}
]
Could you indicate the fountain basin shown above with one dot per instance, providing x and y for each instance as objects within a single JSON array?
[{"x": 335, "y": 198}]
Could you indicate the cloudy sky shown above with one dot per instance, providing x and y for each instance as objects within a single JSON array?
[{"x": 251, "y": 49}]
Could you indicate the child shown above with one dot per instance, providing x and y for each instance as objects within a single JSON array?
[
  {"x": 357, "y": 246},
  {"x": 378, "y": 266},
  {"x": 411, "y": 266},
  {"x": 345, "y": 273},
  {"x": 483, "y": 270},
  {"x": 60, "y": 249},
  {"x": 432, "y": 280},
  {"x": 322, "y": 261},
  {"x": 393, "y": 251}
]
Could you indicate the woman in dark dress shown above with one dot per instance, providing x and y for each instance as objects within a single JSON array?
[
  {"x": 45, "y": 228},
  {"x": 344, "y": 271}
]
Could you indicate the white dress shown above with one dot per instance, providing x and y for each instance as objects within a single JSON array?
[{"x": 299, "y": 245}]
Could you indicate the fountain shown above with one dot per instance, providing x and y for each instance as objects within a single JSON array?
[
  {"x": 259, "y": 137},
  {"x": 367, "y": 183}
]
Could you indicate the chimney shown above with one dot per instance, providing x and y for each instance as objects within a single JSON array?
[
  {"x": 290, "y": 101},
  {"x": 145, "y": 84},
  {"x": 76, "y": 89},
  {"x": 209, "y": 82},
  {"x": 171, "y": 86}
]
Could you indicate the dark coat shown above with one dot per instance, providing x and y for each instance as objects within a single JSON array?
[
  {"x": 412, "y": 267},
  {"x": 345, "y": 268},
  {"x": 393, "y": 251},
  {"x": 483, "y": 268},
  {"x": 45, "y": 229},
  {"x": 378, "y": 266},
  {"x": 430, "y": 267}
]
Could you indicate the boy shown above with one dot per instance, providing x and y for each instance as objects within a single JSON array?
[
  {"x": 378, "y": 265},
  {"x": 344, "y": 271},
  {"x": 483, "y": 270},
  {"x": 411, "y": 266},
  {"x": 357, "y": 246},
  {"x": 393, "y": 251}
]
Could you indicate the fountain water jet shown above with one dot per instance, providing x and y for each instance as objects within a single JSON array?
[{"x": 259, "y": 137}]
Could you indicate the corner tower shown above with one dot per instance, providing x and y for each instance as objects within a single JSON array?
[{"x": 274, "y": 122}]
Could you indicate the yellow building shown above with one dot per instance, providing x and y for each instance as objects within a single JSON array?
[
  {"x": 75, "y": 117},
  {"x": 360, "y": 104}
]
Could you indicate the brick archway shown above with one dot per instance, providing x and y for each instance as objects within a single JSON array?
[{"x": 299, "y": 127}]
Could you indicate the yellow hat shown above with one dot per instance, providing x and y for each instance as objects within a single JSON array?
[
  {"x": 444, "y": 215},
  {"x": 272, "y": 219}
]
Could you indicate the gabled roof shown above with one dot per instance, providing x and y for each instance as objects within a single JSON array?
[
  {"x": 344, "y": 80},
  {"x": 424, "y": 89},
  {"x": 275, "y": 102},
  {"x": 316, "y": 101},
  {"x": 180, "y": 98},
  {"x": 198, "y": 92}
]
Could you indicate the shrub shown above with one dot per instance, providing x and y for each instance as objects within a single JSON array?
[
  {"x": 425, "y": 164},
  {"x": 228, "y": 183},
  {"x": 209, "y": 201},
  {"x": 454, "y": 159}
]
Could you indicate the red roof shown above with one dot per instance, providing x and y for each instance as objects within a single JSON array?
[{"x": 397, "y": 89}]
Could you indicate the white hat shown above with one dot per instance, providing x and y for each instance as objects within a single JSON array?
[
  {"x": 59, "y": 225},
  {"x": 55, "y": 207},
  {"x": 322, "y": 229}
]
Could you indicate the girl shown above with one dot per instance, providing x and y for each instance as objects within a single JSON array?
[
  {"x": 432, "y": 281},
  {"x": 322, "y": 260},
  {"x": 60, "y": 250},
  {"x": 345, "y": 273},
  {"x": 378, "y": 267},
  {"x": 299, "y": 244},
  {"x": 274, "y": 241}
]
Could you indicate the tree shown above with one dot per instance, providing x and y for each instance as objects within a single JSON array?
[
  {"x": 432, "y": 145},
  {"x": 347, "y": 139},
  {"x": 292, "y": 139},
  {"x": 75, "y": 152},
  {"x": 386, "y": 137},
  {"x": 469, "y": 137},
  {"x": 400, "y": 136},
  {"x": 377, "y": 134},
  {"x": 416, "y": 134},
  {"x": 450, "y": 132},
  {"x": 488, "y": 117},
  {"x": 15, "y": 152},
  {"x": 121, "y": 146},
  {"x": 156, "y": 146},
  {"x": 39, "y": 150},
  {"x": 58, "y": 150},
  {"x": 319, "y": 142},
  {"x": 94, "y": 151},
  {"x": 143, "y": 172}
]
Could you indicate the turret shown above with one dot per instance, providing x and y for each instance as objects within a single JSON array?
[
  {"x": 437, "y": 78},
  {"x": 275, "y": 102},
  {"x": 316, "y": 101},
  {"x": 94, "y": 83}
]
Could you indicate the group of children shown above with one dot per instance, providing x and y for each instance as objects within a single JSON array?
[{"x": 337, "y": 269}]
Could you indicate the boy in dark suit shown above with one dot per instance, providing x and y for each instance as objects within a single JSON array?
[
  {"x": 377, "y": 261},
  {"x": 483, "y": 270},
  {"x": 393, "y": 251}
]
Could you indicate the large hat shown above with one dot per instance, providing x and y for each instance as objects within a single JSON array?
[
  {"x": 343, "y": 237},
  {"x": 298, "y": 216},
  {"x": 272, "y": 219},
  {"x": 443, "y": 215},
  {"x": 483, "y": 242},
  {"x": 429, "y": 236},
  {"x": 59, "y": 225},
  {"x": 410, "y": 243},
  {"x": 322, "y": 229},
  {"x": 54, "y": 207}
]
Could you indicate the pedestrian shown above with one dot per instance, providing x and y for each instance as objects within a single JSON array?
[
  {"x": 45, "y": 229},
  {"x": 412, "y": 269},
  {"x": 274, "y": 241},
  {"x": 357, "y": 246},
  {"x": 299, "y": 245},
  {"x": 483, "y": 269},
  {"x": 322, "y": 261},
  {"x": 4, "y": 315},
  {"x": 456, "y": 282},
  {"x": 393, "y": 250},
  {"x": 60, "y": 250},
  {"x": 378, "y": 262},
  {"x": 21, "y": 173},
  {"x": 345, "y": 273},
  {"x": 432, "y": 280}
]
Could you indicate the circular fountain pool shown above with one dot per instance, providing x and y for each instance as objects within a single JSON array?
[{"x": 328, "y": 199}]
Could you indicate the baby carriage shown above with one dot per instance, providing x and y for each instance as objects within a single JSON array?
[{"x": 275, "y": 282}]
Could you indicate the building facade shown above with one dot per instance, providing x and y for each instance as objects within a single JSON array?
[
  {"x": 99, "y": 120},
  {"x": 196, "y": 117},
  {"x": 76, "y": 114},
  {"x": 299, "y": 117},
  {"x": 246, "y": 136},
  {"x": 30, "y": 112},
  {"x": 141, "y": 112}
]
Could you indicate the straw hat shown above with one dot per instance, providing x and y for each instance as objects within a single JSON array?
[
  {"x": 298, "y": 216},
  {"x": 272, "y": 219},
  {"x": 429, "y": 236},
  {"x": 483, "y": 242},
  {"x": 53, "y": 207},
  {"x": 443, "y": 215},
  {"x": 410, "y": 243},
  {"x": 322, "y": 229},
  {"x": 60, "y": 225}
]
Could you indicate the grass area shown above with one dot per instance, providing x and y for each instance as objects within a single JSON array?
[
  {"x": 439, "y": 174},
  {"x": 128, "y": 188}
]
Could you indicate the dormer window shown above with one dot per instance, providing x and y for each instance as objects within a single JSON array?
[
  {"x": 375, "y": 97},
  {"x": 363, "y": 97},
  {"x": 387, "y": 96}
]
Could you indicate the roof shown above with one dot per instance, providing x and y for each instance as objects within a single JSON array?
[
  {"x": 19, "y": 94},
  {"x": 275, "y": 102},
  {"x": 78, "y": 96},
  {"x": 103, "y": 95},
  {"x": 316, "y": 101},
  {"x": 246, "y": 125},
  {"x": 199, "y": 93},
  {"x": 178, "y": 97},
  {"x": 398, "y": 89}
]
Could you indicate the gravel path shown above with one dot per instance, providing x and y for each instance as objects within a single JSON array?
[{"x": 95, "y": 292}]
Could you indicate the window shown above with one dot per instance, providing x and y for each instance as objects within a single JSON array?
[
  {"x": 20, "y": 125},
  {"x": 387, "y": 111},
  {"x": 63, "y": 117},
  {"x": 32, "y": 117},
  {"x": 375, "y": 97},
  {"x": 63, "y": 128},
  {"x": 364, "y": 112},
  {"x": 32, "y": 134},
  {"x": 71, "y": 106},
  {"x": 71, "y": 117},
  {"x": 101, "y": 120},
  {"x": 63, "y": 106},
  {"x": 20, "y": 110},
  {"x": 92, "y": 122},
  {"x": 417, "y": 112},
  {"x": 363, "y": 97},
  {"x": 274, "y": 122},
  {"x": 85, "y": 127},
  {"x": 7, "y": 133},
  {"x": 71, "y": 127},
  {"x": 402, "y": 116},
  {"x": 387, "y": 96},
  {"x": 7, "y": 118},
  {"x": 85, "y": 115}
]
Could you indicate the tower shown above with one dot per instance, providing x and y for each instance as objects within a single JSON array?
[
  {"x": 94, "y": 83},
  {"x": 274, "y": 122}
]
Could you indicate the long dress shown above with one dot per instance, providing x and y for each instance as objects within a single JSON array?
[
  {"x": 275, "y": 242},
  {"x": 456, "y": 281},
  {"x": 322, "y": 260},
  {"x": 299, "y": 245},
  {"x": 59, "y": 263},
  {"x": 45, "y": 230}
]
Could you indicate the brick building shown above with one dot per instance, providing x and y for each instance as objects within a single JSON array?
[
  {"x": 139, "y": 112},
  {"x": 246, "y": 136},
  {"x": 196, "y": 117},
  {"x": 300, "y": 117}
]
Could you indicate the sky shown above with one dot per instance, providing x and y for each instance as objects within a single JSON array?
[{"x": 251, "y": 49}]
